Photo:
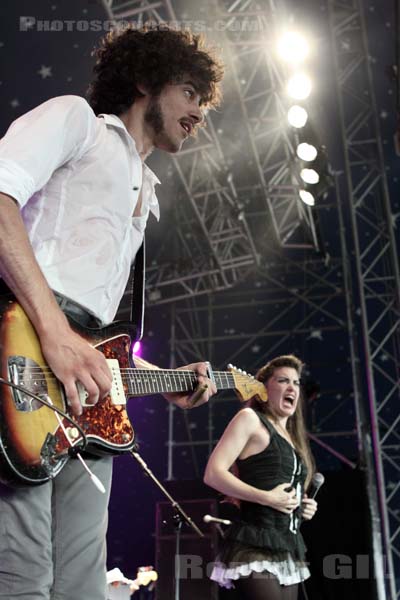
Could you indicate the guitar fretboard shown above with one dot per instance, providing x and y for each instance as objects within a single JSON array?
[{"x": 148, "y": 381}]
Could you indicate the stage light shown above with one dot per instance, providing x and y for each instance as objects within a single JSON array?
[
  {"x": 309, "y": 176},
  {"x": 306, "y": 152},
  {"x": 307, "y": 197},
  {"x": 297, "y": 116},
  {"x": 136, "y": 348},
  {"x": 299, "y": 86},
  {"x": 293, "y": 48}
]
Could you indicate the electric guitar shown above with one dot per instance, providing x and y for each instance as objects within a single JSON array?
[
  {"x": 144, "y": 576},
  {"x": 34, "y": 444}
]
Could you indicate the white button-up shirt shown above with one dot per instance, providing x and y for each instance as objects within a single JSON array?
[{"x": 77, "y": 178}]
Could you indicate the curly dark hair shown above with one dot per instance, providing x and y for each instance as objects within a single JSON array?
[{"x": 152, "y": 56}]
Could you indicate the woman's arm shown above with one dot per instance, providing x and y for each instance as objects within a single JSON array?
[{"x": 217, "y": 475}]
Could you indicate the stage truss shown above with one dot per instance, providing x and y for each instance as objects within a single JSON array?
[{"x": 237, "y": 227}]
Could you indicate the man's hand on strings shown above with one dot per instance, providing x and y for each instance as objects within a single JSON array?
[{"x": 203, "y": 392}]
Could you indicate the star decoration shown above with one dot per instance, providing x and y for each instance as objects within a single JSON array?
[
  {"x": 315, "y": 334},
  {"x": 255, "y": 348},
  {"x": 45, "y": 72},
  {"x": 14, "y": 103},
  {"x": 384, "y": 114}
]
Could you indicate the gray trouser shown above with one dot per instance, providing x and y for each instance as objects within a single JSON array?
[{"x": 52, "y": 537}]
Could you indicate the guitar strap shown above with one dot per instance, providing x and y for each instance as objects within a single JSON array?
[{"x": 136, "y": 283}]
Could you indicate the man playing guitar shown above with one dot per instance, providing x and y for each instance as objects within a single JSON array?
[{"x": 74, "y": 202}]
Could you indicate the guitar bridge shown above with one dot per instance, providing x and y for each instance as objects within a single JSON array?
[{"x": 26, "y": 373}]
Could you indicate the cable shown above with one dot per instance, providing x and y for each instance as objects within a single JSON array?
[
  {"x": 73, "y": 450},
  {"x": 54, "y": 408}
]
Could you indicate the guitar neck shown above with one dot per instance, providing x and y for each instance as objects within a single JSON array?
[{"x": 143, "y": 382}]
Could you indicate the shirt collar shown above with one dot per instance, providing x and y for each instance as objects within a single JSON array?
[{"x": 115, "y": 121}]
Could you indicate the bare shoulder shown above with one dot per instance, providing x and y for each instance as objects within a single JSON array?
[
  {"x": 246, "y": 418},
  {"x": 258, "y": 437}
]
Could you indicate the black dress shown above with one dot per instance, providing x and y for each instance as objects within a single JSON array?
[{"x": 265, "y": 539}]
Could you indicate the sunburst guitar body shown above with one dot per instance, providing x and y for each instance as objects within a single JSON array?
[{"x": 34, "y": 445}]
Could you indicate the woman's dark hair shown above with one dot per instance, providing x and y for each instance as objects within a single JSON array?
[
  {"x": 152, "y": 57},
  {"x": 295, "y": 424}
]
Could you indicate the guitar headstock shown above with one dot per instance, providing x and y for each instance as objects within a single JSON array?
[
  {"x": 246, "y": 386},
  {"x": 145, "y": 575}
]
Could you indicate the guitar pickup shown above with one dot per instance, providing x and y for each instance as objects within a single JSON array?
[{"x": 117, "y": 392}]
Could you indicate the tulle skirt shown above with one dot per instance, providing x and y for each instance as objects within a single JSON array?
[
  {"x": 241, "y": 558},
  {"x": 288, "y": 572}
]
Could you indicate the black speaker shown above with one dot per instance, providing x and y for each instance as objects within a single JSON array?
[{"x": 196, "y": 554}]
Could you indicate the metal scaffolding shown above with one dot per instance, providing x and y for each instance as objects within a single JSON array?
[
  {"x": 214, "y": 241},
  {"x": 241, "y": 231},
  {"x": 377, "y": 275}
]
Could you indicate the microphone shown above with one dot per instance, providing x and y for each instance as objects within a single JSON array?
[
  {"x": 210, "y": 519},
  {"x": 316, "y": 482}
]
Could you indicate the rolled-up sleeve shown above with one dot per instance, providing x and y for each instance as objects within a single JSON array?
[{"x": 59, "y": 130}]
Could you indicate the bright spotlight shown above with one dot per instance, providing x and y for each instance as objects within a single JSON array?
[
  {"x": 299, "y": 86},
  {"x": 307, "y": 197},
  {"x": 293, "y": 48},
  {"x": 136, "y": 348},
  {"x": 297, "y": 116},
  {"x": 306, "y": 152},
  {"x": 309, "y": 176}
]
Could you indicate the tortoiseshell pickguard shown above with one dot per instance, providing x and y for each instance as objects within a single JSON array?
[
  {"x": 106, "y": 425},
  {"x": 24, "y": 436}
]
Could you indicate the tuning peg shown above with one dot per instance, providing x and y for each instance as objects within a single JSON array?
[{"x": 230, "y": 366}]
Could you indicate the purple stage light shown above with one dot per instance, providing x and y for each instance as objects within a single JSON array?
[{"x": 136, "y": 348}]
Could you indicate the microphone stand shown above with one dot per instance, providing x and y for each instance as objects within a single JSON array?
[{"x": 180, "y": 517}]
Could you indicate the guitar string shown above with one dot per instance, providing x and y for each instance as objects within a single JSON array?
[
  {"x": 142, "y": 377},
  {"x": 144, "y": 383},
  {"x": 146, "y": 386},
  {"x": 154, "y": 372},
  {"x": 135, "y": 370}
]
